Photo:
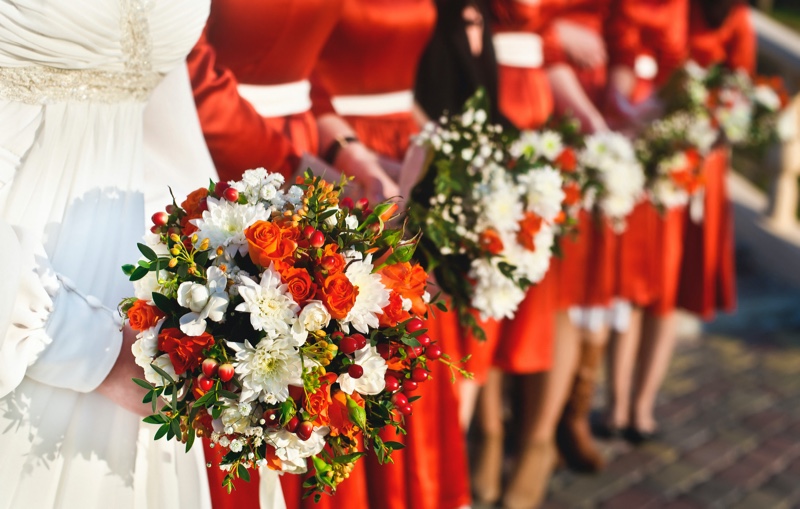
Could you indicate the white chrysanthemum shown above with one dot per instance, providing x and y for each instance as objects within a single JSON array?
[
  {"x": 294, "y": 452},
  {"x": 372, "y": 295},
  {"x": 766, "y": 97},
  {"x": 270, "y": 304},
  {"x": 498, "y": 196},
  {"x": 532, "y": 265},
  {"x": 372, "y": 381},
  {"x": 613, "y": 158},
  {"x": 527, "y": 143},
  {"x": 544, "y": 192},
  {"x": 550, "y": 145},
  {"x": 224, "y": 223},
  {"x": 267, "y": 369},
  {"x": 701, "y": 133},
  {"x": 494, "y": 295}
]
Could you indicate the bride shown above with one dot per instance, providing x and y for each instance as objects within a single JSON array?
[{"x": 75, "y": 78}]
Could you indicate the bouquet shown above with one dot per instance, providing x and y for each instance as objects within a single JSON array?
[
  {"x": 487, "y": 230},
  {"x": 281, "y": 325}
]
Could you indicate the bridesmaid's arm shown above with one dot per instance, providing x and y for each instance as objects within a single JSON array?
[
  {"x": 238, "y": 137},
  {"x": 570, "y": 97},
  {"x": 741, "y": 48}
]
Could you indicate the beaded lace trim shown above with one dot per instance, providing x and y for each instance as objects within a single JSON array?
[{"x": 42, "y": 84}]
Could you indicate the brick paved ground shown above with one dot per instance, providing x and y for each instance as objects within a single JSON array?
[{"x": 730, "y": 412}]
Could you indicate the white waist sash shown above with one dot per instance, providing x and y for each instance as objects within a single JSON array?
[
  {"x": 645, "y": 67},
  {"x": 278, "y": 100},
  {"x": 519, "y": 49},
  {"x": 374, "y": 105}
]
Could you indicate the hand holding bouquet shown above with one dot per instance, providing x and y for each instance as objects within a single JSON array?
[{"x": 280, "y": 325}]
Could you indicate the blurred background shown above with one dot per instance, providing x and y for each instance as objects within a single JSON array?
[{"x": 730, "y": 407}]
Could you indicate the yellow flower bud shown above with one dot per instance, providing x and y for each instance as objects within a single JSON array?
[
  {"x": 220, "y": 251},
  {"x": 175, "y": 237},
  {"x": 172, "y": 262},
  {"x": 194, "y": 238}
]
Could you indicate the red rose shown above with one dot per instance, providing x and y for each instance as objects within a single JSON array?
[
  {"x": 393, "y": 313},
  {"x": 338, "y": 294},
  {"x": 299, "y": 283},
  {"x": 317, "y": 404},
  {"x": 185, "y": 352},
  {"x": 142, "y": 315},
  {"x": 193, "y": 205}
]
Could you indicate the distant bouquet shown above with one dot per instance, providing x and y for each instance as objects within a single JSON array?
[
  {"x": 279, "y": 324},
  {"x": 488, "y": 230}
]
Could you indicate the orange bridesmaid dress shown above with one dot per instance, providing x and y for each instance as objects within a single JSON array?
[
  {"x": 250, "y": 73},
  {"x": 525, "y": 343},
  {"x": 708, "y": 274},
  {"x": 366, "y": 74},
  {"x": 586, "y": 268},
  {"x": 650, "y": 37}
]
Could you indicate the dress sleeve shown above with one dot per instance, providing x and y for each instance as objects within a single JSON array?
[
  {"x": 49, "y": 331},
  {"x": 741, "y": 47},
  {"x": 238, "y": 137},
  {"x": 623, "y": 34},
  {"x": 672, "y": 40}
]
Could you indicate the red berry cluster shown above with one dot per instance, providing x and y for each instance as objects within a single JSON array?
[{"x": 213, "y": 369}]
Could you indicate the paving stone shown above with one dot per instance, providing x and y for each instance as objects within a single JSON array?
[
  {"x": 636, "y": 496},
  {"x": 678, "y": 477},
  {"x": 767, "y": 421},
  {"x": 742, "y": 439},
  {"x": 783, "y": 485},
  {"x": 713, "y": 455},
  {"x": 761, "y": 500},
  {"x": 688, "y": 435},
  {"x": 715, "y": 493},
  {"x": 682, "y": 503}
]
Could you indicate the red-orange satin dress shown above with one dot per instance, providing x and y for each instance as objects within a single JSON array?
[
  {"x": 525, "y": 343},
  {"x": 586, "y": 268},
  {"x": 651, "y": 247},
  {"x": 262, "y": 43},
  {"x": 372, "y": 52},
  {"x": 708, "y": 273}
]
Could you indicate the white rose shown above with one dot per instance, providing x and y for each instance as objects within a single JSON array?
[
  {"x": 193, "y": 296},
  {"x": 165, "y": 364},
  {"x": 314, "y": 316},
  {"x": 372, "y": 381},
  {"x": 351, "y": 222}
]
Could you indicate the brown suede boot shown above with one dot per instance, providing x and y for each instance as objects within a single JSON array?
[
  {"x": 527, "y": 486},
  {"x": 574, "y": 434}
]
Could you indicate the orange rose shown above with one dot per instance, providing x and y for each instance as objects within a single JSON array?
[
  {"x": 567, "y": 160},
  {"x": 572, "y": 193},
  {"x": 317, "y": 403},
  {"x": 332, "y": 261},
  {"x": 142, "y": 315},
  {"x": 270, "y": 243},
  {"x": 409, "y": 282},
  {"x": 338, "y": 294},
  {"x": 528, "y": 228},
  {"x": 490, "y": 241},
  {"x": 393, "y": 313},
  {"x": 340, "y": 422},
  {"x": 185, "y": 352},
  {"x": 193, "y": 205},
  {"x": 299, "y": 283}
]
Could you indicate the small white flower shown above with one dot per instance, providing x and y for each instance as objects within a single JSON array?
[
  {"x": 294, "y": 452},
  {"x": 372, "y": 381},
  {"x": 270, "y": 304},
  {"x": 209, "y": 301},
  {"x": 372, "y": 294},
  {"x": 224, "y": 223}
]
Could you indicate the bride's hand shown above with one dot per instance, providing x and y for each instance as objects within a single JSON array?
[
  {"x": 358, "y": 161},
  {"x": 584, "y": 47},
  {"x": 118, "y": 386}
]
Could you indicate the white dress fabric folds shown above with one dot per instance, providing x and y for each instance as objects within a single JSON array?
[{"x": 75, "y": 77}]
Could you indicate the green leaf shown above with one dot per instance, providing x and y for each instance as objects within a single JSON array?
[
  {"x": 243, "y": 473},
  {"x": 163, "y": 373},
  {"x": 143, "y": 383},
  {"x": 128, "y": 269},
  {"x": 138, "y": 274},
  {"x": 228, "y": 394},
  {"x": 175, "y": 427},
  {"x": 320, "y": 465},
  {"x": 201, "y": 258},
  {"x": 189, "y": 438},
  {"x": 349, "y": 458},
  {"x": 357, "y": 414},
  {"x": 154, "y": 419},
  {"x": 161, "y": 431},
  {"x": 146, "y": 251},
  {"x": 395, "y": 446},
  {"x": 163, "y": 302}
]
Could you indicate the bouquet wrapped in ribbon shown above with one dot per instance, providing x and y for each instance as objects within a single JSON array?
[{"x": 281, "y": 325}]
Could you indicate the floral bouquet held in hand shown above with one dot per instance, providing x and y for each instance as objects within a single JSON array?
[{"x": 279, "y": 325}]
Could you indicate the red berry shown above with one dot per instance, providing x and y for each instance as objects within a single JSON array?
[
  {"x": 209, "y": 367},
  {"x": 433, "y": 352},
  {"x": 392, "y": 384},
  {"x": 231, "y": 194},
  {"x": 202, "y": 206},
  {"x": 155, "y": 229},
  {"x": 419, "y": 375},
  {"x": 399, "y": 399},
  {"x": 348, "y": 345},
  {"x": 170, "y": 208},
  {"x": 414, "y": 351},
  {"x": 361, "y": 341},
  {"x": 424, "y": 339},
  {"x": 328, "y": 262},
  {"x": 291, "y": 426},
  {"x": 409, "y": 385},
  {"x": 221, "y": 187},
  {"x": 362, "y": 203},
  {"x": 347, "y": 203},
  {"x": 304, "y": 430},
  {"x": 174, "y": 230},
  {"x": 338, "y": 335},
  {"x": 384, "y": 351},
  {"x": 272, "y": 416},
  {"x": 317, "y": 239},
  {"x": 160, "y": 218},
  {"x": 225, "y": 372},
  {"x": 205, "y": 383},
  {"x": 405, "y": 409},
  {"x": 355, "y": 371},
  {"x": 414, "y": 324},
  {"x": 308, "y": 231}
]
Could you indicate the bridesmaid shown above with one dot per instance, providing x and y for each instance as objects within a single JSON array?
[
  {"x": 576, "y": 62},
  {"x": 720, "y": 32},
  {"x": 647, "y": 42},
  {"x": 250, "y": 74},
  {"x": 363, "y": 96}
]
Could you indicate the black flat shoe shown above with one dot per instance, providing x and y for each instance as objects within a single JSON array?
[
  {"x": 639, "y": 437},
  {"x": 606, "y": 431}
]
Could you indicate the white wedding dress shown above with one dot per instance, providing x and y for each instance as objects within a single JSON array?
[{"x": 75, "y": 77}]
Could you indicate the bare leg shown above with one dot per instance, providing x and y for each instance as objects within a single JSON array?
[
  {"x": 468, "y": 392},
  {"x": 655, "y": 355},
  {"x": 543, "y": 396},
  {"x": 621, "y": 363},
  {"x": 488, "y": 469}
]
